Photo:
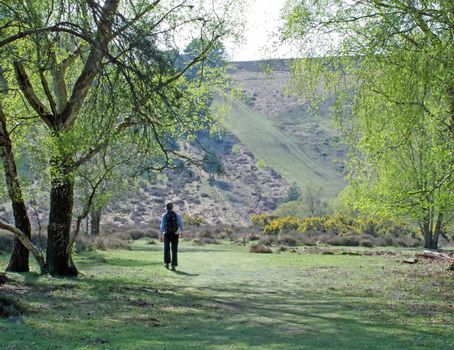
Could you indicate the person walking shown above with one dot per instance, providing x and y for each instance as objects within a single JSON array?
[{"x": 171, "y": 229}]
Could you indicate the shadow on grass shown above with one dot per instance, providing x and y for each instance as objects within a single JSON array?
[
  {"x": 234, "y": 317},
  {"x": 31, "y": 277},
  {"x": 179, "y": 272},
  {"x": 131, "y": 262},
  {"x": 203, "y": 313}
]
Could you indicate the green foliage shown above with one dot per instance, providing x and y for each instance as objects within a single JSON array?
[
  {"x": 334, "y": 225},
  {"x": 388, "y": 66},
  {"x": 236, "y": 149},
  {"x": 260, "y": 164},
  {"x": 339, "y": 224},
  {"x": 312, "y": 224},
  {"x": 212, "y": 164},
  {"x": 261, "y": 220},
  {"x": 283, "y": 224},
  {"x": 214, "y": 55},
  {"x": 192, "y": 220},
  {"x": 293, "y": 192}
]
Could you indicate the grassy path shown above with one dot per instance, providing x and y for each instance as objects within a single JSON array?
[{"x": 226, "y": 298}]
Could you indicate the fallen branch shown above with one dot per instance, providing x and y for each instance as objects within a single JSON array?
[
  {"x": 433, "y": 255},
  {"x": 28, "y": 244},
  {"x": 451, "y": 266}
]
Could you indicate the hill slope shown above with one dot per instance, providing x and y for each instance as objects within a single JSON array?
[{"x": 280, "y": 149}]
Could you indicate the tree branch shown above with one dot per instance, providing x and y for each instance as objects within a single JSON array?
[
  {"x": 90, "y": 70},
  {"x": 27, "y": 89}
]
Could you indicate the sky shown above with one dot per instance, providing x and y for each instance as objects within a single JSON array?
[{"x": 261, "y": 33}]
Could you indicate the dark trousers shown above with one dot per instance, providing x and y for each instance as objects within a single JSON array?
[{"x": 171, "y": 240}]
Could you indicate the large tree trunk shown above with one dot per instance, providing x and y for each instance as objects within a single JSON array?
[
  {"x": 61, "y": 206},
  {"x": 95, "y": 215},
  {"x": 19, "y": 257},
  {"x": 432, "y": 233},
  {"x": 437, "y": 231},
  {"x": 427, "y": 233}
]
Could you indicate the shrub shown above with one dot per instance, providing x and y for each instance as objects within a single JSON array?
[
  {"x": 268, "y": 241},
  {"x": 368, "y": 226},
  {"x": 111, "y": 242},
  {"x": 205, "y": 240},
  {"x": 282, "y": 249},
  {"x": 236, "y": 149},
  {"x": 350, "y": 241},
  {"x": 253, "y": 237},
  {"x": 366, "y": 242},
  {"x": 258, "y": 248},
  {"x": 198, "y": 241},
  {"x": 152, "y": 233},
  {"x": 407, "y": 242},
  {"x": 288, "y": 241},
  {"x": 192, "y": 220},
  {"x": 207, "y": 233},
  {"x": 260, "y": 164},
  {"x": 102, "y": 243},
  {"x": 339, "y": 224},
  {"x": 386, "y": 241},
  {"x": 314, "y": 224},
  {"x": 376, "y": 227},
  {"x": 137, "y": 234},
  {"x": 262, "y": 220},
  {"x": 293, "y": 192},
  {"x": 283, "y": 224},
  {"x": 310, "y": 240}
]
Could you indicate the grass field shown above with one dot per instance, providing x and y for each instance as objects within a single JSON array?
[
  {"x": 280, "y": 150},
  {"x": 223, "y": 297}
]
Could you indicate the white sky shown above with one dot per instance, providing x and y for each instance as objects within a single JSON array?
[{"x": 261, "y": 33}]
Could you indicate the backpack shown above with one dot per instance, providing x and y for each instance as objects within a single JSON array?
[{"x": 172, "y": 224}]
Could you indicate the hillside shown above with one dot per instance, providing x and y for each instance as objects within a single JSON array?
[
  {"x": 281, "y": 150},
  {"x": 271, "y": 140}
]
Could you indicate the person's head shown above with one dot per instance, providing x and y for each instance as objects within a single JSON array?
[{"x": 169, "y": 206}]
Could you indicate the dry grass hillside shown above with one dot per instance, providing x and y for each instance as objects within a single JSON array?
[
  {"x": 266, "y": 87},
  {"x": 271, "y": 141},
  {"x": 230, "y": 199}
]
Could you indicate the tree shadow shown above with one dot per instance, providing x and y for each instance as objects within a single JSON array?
[
  {"x": 31, "y": 277},
  {"x": 222, "y": 185}
]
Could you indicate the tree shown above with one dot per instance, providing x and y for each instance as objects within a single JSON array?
[
  {"x": 215, "y": 58},
  {"x": 293, "y": 192},
  {"x": 389, "y": 65},
  {"x": 19, "y": 256},
  {"x": 313, "y": 200},
  {"x": 212, "y": 164},
  {"x": 118, "y": 57}
]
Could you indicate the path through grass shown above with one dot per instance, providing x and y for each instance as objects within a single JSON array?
[{"x": 224, "y": 297}]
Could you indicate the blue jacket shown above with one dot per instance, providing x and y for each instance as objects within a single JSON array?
[{"x": 163, "y": 227}]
